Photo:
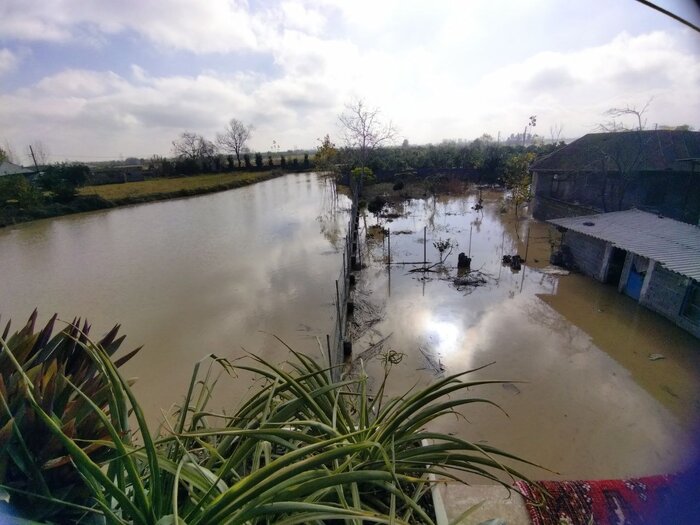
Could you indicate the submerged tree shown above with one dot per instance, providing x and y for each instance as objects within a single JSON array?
[
  {"x": 326, "y": 155},
  {"x": 364, "y": 131},
  {"x": 517, "y": 178},
  {"x": 234, "y": 138}
]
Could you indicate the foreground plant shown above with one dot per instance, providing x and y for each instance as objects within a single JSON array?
[
  {"x": 35, "y": 471},
  {"x": 301, "y": 449}
]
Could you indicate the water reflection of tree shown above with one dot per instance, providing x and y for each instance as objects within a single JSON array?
[{"x": 331, "y": 218}]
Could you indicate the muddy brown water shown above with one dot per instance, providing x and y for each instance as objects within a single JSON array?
[
  {"x": 220, "y": 273},
  {"x": 590, "y": 403},
  {"x": 186, "y": 278}
]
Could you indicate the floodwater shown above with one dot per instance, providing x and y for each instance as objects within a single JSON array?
[
  {"x": 591, "y": 403},
  {"x": 187, "y": 278}
]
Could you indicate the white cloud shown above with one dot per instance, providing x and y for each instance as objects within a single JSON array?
[
  {"x": 211, "y": 26},
  {"x": 441, "y": 70},
  {"x": 8, "y": 61}
]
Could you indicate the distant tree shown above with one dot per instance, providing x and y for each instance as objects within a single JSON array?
[
  {"x": 229, "y": 161},
  {"x": 270, "y": 163},
  {"x": 555, "y": 132},
  {"x": 63, "y": 180},
  {"x": 40, "y": 153},
  {"x": 326, "y": 156},
  {"x": 283, "y": 162},
  {"x": 306, "y": 163},
  {"x": 7, "y": 152},
  {"x": 518, "y": 179},
  {"x": 259, "y": 160},
  {"x": 295, "y": 163},
  {"x": 235, "y": 137},
  {"x": 628, "y": 111},
  {"x": 246, "y": 160},
  {"x": 194, "y": 147},
  {"x": 16, "y": 189},
  {"x": 404, "y": 144},
  {"x": 364, "y": 131}
]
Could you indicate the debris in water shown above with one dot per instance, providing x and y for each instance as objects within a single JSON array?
[
  {"x": 511, "y": 388},
  {"x": 514, "y": 261},
  {"x": 433, "y": 361},
  {"x": 554, "y": 270},
  {"x": 656, "y": 357}
]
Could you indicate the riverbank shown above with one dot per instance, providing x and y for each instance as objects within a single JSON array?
[{"x": 92, "y": 198}]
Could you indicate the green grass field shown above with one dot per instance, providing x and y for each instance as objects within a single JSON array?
[{"x": 148, "y": 188}]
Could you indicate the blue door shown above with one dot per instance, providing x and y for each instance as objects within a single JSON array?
[{"x": 633, "y": 288}]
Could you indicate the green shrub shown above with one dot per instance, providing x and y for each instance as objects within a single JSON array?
[
  {"x": 35, "y": 468},
  {"x": 301, "y": 449}
]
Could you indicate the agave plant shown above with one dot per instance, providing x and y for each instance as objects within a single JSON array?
[
  {"x": 36, "y": 473},
  {"x": 301, "y": 449}
]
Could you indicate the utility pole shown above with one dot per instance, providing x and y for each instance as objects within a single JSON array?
[{"x": 34, "y": 158}]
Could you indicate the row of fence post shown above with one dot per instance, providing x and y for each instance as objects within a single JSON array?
[{"x": 340, "y": 346}]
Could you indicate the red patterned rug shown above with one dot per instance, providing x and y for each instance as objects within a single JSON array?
[{"x": 606, "y": 502}]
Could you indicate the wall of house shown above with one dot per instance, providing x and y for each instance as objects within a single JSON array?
[
  {"x": 588, "y": 253},
  {"x": 666, "y": 294},
  {"x": 673, "y": 194}
]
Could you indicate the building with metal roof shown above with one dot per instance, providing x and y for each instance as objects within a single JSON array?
[
  {"x": 8, "y": 168},
  {"x": 651, "y": 258},
  {"x": 653, "y": 170}
]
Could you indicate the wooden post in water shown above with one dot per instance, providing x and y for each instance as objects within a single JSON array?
[
  {"x": 425, "y": 233},
  {"x": 470, "y": 241},
  {"x": 337, "y": 304},
  {"x": 527, "y": 244},
  {"x": 330, "y": 356},
  {"x": 388, "y": 232}
]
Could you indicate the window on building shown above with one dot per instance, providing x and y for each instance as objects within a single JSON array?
[{"x": 691, "y": 305}]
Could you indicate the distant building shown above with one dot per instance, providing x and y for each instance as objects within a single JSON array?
[
  {"x": 652, "y": 259},
  {"x": 656, "y": 171},
  {"x": 8, "y": 168}
]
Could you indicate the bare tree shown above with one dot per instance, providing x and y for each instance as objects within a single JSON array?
[
  {"x": 628, "y": 111},
  {"x": 192, "y": 146},
  {"x": 7, "y": 152},
  {"x": 38, "y": 152},
  {"x": 555, "y": 132},
  {"x": 234, "y": 138},
  {"x": 363, "y": 129}
]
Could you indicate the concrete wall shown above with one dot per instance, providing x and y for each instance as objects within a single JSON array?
[
  {"x": 665, "y": 295},
  {"x": 544, "y": 208},
  {"x": 588, "y": 253},
  {"x": 673, "y": 194}
]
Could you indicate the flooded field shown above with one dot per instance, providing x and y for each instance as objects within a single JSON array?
[
  {"x": 186, "y": 278},
  {"x": 591, "y": 403}
]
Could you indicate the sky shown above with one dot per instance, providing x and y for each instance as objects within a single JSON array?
[{"x": 111, "y": 79}]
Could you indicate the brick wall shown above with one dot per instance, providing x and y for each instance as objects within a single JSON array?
[
  {"x": 588, "y": 253},
  {"x": 666, "y": 294}
]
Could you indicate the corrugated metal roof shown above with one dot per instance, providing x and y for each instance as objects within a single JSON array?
[
  {"x": 673, "y": 244},
  {"x": 7, "y": 168}
]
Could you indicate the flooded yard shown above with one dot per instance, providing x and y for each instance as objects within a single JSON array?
[{"x": 590, "y": 402}]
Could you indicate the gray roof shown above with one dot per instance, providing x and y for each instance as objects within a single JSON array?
[
  {"x": 648, "y": 150},
  {"x": 673, "y": 244},
  {"x": 7, "y": 168}
]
